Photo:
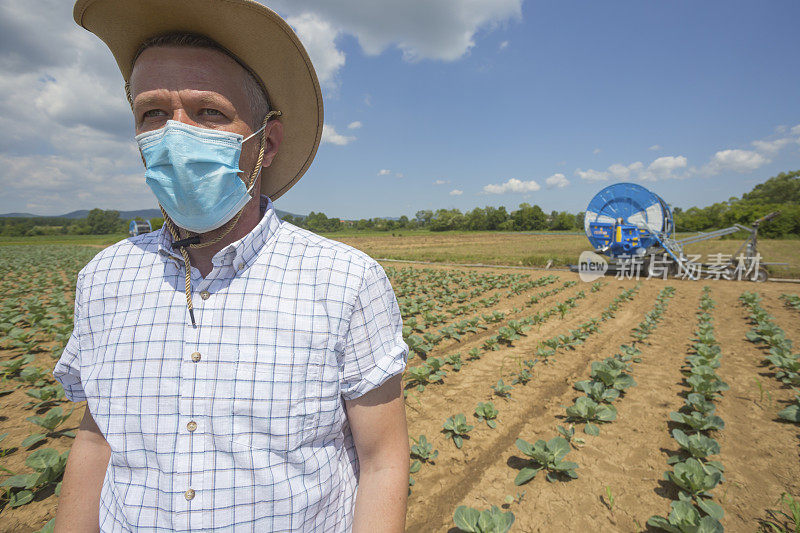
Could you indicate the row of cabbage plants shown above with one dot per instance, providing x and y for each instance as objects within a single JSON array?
[
  {"x": 693, "y": 473},
  {"x": 784, "y": 364},
  {"x": 791, "y": 300},
  {"x": 421, "y": 345},
  {"x": 432, "y": 370}
]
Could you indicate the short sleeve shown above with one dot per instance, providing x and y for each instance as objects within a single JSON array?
[
  {"x": 374, "y": 349},
  {"x": 68, "y": 368}
]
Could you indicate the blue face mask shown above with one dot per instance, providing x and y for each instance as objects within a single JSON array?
[{"x": 194, "y": 173}]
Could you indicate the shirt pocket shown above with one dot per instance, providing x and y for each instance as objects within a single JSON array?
[{"x": 271, "y": 403}]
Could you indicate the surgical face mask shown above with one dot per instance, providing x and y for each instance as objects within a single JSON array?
[{"x": 194, "y": 173}]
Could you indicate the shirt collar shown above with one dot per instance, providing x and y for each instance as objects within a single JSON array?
[{"x": 240, "y": 252}]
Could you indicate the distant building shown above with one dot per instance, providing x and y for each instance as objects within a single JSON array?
[{"x": 138, "y": 227}]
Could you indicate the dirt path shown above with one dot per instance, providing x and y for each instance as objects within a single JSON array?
[{"x": 760, "y": 453}]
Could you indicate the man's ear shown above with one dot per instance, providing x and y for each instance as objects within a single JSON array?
[{"x": 274, "y": 133}]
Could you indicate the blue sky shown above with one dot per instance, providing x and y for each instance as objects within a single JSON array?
[{"x": 452, "y": 103}]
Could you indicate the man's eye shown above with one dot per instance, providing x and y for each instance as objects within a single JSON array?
[
  {"x": 152, "y": 113},
  {"x": 211, "y": 112}
]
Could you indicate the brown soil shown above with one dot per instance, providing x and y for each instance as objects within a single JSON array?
[
  {"x": 760, "y": 454},
  {"x": 629, "y": 456}
]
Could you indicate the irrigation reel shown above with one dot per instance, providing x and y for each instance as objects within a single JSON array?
[{"x": 627, "y": 222}]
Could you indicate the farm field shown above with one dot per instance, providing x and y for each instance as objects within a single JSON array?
[
  {"x": 639, "y": 370},
  {"x": 536, "y": 249}
]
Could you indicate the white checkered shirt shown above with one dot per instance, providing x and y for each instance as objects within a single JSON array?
[{"x": 238, "y": 424}]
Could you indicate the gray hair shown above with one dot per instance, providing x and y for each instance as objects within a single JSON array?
[{"x": 254, "y": 89}]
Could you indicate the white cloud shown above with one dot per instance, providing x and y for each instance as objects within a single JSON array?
[
  {"x": 354, "y": 125},
  {"x": 623, "y": 172},
  {"x": 512, "y": 185},
  {"x": 772, "y": 147},
  {"x": 596, "y": 151},
  {"x": 384, "y": 172},
  {"x": 421, "y": 29},
  {"x": 663, "y": 168},
  {"x": 735, "y": 161},
  {"x": 503, "y": 45},
  {"x": 591, "y": 175},
  {"x": 796, "y": 130},
  {"x": 456, "y": 192},
  {"x": 557, "y": 180},
  {"x": 331, "y": 136},
  {"x": 441, "y": 182},
  {"x": 319, "y": 38},
  {"x": 398, "y": 175},
  {"x": 655, "y": 147}
]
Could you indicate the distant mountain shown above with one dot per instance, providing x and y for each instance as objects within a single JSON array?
[{"x": 124, "y": 215}]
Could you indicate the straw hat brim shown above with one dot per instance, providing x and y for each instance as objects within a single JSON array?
[{"x": 255, "y": 34}]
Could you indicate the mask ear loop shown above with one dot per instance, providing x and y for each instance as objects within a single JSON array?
[{"x": 193, "y": 241}]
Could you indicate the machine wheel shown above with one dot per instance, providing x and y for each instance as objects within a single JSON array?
[{"x": 762, "y": 275}]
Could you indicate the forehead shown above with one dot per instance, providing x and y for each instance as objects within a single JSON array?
[{"x": 180, "y": 68}]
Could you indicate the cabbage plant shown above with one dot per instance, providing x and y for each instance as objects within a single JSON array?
[
  {"x": 492, "y": 520},
  {"x": 546, "y": 456},
  {"x": 587, "y": 410},
  {"x": 487, "y": 412},
  {"x": 456, "y": 428}
]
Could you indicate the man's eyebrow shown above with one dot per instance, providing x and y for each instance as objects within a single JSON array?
[
  {"x": 148, "y": 100},
  {"x": 205, "y": 98},
  {"x": 209, "y": 98}
]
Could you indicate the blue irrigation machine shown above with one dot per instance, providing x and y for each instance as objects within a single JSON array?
[{"x": 625, "y": 221}]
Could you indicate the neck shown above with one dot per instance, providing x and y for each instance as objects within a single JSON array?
[{"x": 201, "y": 257}]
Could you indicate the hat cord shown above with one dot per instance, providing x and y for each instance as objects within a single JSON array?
[{"x": 193, "y": 241}]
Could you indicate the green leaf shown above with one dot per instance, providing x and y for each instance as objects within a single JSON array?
[
  {"x": 559, "y": 446},
  {"x": 20, "y": 498},
  {"x": 791, "y": 413},
  {"x": 591, "y": 429},
  {"x": 30, "y": 440},
  {"x": 526, "y": 474},
  {"x": 712, "y": 509},
  {"x": 525, "y": 447},
  {"x": 709, "y": 524},
  {"x": 20, "y": 481},
  {"x": 43, "y": 458},
  {"x": 466, "y": 519},
  {"x": 563, "y": 466}
]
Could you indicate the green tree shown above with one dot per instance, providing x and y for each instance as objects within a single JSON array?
[
  {"x": 102, "y": 222},
  {"x": 529, "y": 218}
]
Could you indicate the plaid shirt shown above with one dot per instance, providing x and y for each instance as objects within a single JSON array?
[{"x": 238, "y": 424}]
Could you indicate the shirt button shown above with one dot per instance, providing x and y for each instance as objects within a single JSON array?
[
  {"x": 240, "y": 266},
  {"x": 204, "y": 295},
  {"x": 191, "y": 426},
  {"x": 196, "y": 356},
  {"x": 189, "y": 494}
]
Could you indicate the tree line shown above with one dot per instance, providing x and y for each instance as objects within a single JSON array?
[
  {"x": 526, "y": 218},
  {"x": 96, "y": 222},
  {"x": 779, "y": 193}
]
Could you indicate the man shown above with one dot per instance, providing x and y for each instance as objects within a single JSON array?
[{"x": 240, "y": 373}]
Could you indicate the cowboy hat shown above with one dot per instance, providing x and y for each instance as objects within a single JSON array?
[{"x": 254, "y": 34}]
